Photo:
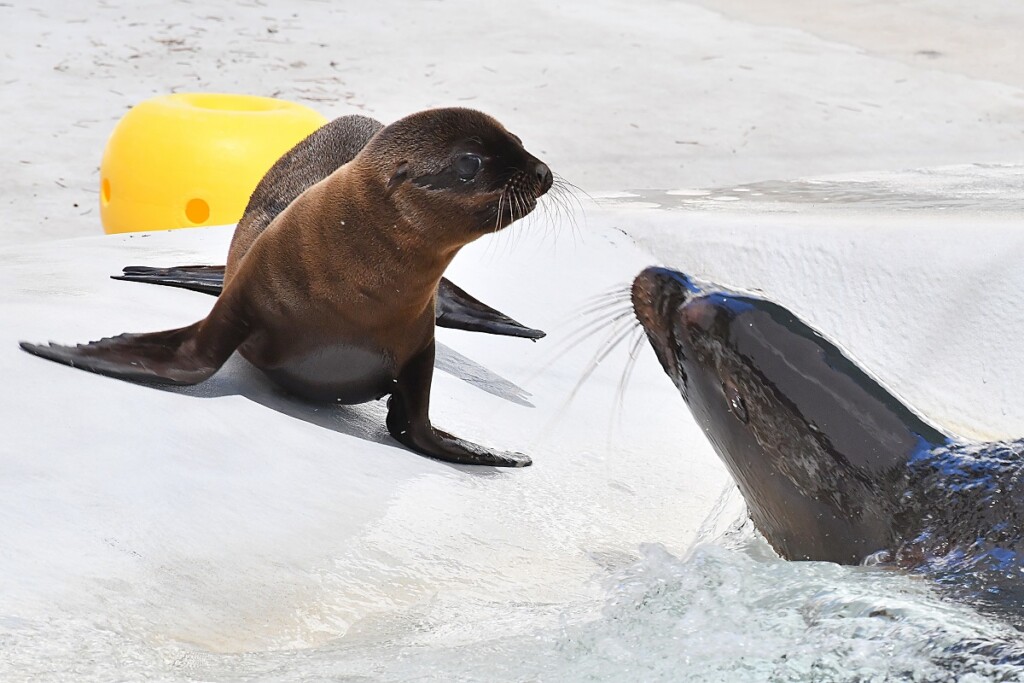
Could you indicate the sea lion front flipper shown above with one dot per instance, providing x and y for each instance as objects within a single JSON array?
[
  {"x": 205, "y": 279},
  {"x": 409, "y": 421},
  {"x": 187, "y": 355},
  {"x": 458, "y": 310},
  {"x": 455, "y": 308}
]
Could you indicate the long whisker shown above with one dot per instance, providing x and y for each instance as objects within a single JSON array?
[
  {"x": 561, "y": 196},
  {"x": 576, "y": 337},
  {"x": 520, "y": 204},
  {"x": 572, "y": 189},
  {"x": 618, "y": 323},
  {"x": 619, "y": 335},
  {"x": 604, "y": 306},
  {"x": 599, "y": 310},
  {"x": 619, "y": 408},
  {"x": 492, "y": 243},
  {"x": 586, "y": 330},
  {"x": 627, "y": 372},
  {"x": 501, "y": 203},
  {"x": 558, "y": 214},
  {"x": 613, "y": 341},
  {"x": 598, "y": 317},
  {"x": 569, "y": 192}
]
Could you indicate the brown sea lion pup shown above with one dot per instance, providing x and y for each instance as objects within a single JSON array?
[{"x": 335, "y": 299}]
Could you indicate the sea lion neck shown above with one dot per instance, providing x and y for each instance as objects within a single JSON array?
[{"x": 373, "y": 221}]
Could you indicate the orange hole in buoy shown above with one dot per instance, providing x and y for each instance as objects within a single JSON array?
[{"x": 197, "y": 211}]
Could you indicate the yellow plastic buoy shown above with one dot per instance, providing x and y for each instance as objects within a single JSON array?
[{"x": 193, "y": 159}]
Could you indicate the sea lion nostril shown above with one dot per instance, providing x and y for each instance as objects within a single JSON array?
[{"x": 543, "y": 174}]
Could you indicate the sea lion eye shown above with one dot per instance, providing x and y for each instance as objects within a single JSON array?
[{"x": 467, "y": 166}]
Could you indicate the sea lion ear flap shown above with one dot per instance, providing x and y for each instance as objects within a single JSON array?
[{"x": 400, "y": 175}]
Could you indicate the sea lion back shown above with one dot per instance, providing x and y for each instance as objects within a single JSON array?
[{"x": 321, "y": 153}]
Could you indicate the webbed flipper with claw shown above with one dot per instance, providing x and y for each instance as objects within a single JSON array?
[
  {"x": 409, "y": 422},
  {"x": 458, "y": 310},
  {"x": 187, "y": 355}
]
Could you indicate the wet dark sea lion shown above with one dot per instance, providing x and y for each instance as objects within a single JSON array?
[
  {"x": 832, "y": 465},
  {"x": 335, "y": 299},
  {"x": 320, "y": 154}
]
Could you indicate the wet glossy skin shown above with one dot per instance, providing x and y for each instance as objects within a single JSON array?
[
  {"x": 831, "y": 465},
  {"x": 817, "y": 447}
]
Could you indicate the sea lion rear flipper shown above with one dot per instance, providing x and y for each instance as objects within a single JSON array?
[
  {"x": 458, "y": 310},
  {"x": 409, "y": 422},
  {"x": 187, "y": 355},
  {"x": 205, "y": 279}
]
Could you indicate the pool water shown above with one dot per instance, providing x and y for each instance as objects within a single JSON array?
[{"x": 726, "y": 610}]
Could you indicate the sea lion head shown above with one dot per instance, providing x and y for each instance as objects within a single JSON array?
[
  {"x": 458, "y": 170},
  {"x": 817, "y": 447}
]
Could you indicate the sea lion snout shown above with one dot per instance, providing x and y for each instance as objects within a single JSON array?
[
  {"x": 544, "y": 177},
  {"x": 657, "y": 294}
]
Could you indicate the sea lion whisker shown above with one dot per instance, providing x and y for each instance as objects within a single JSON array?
[
  {"x": 546, "y": 222},
  {"x": 598, "y": 314},
  {"x": 549, "y": 210},
  {"x": 501, "y": 203},
  {"x": 500, "y": 238},
  {"x": 627, "y": 371},
  {"x": 603, "y": 310},
  {"x": 571, "y": 193},
  {"x": 602, "y": 302},
  {"x": 517, "y": 205},
  {"x": 591, "y": 328},
  {"x": 497, "y": 224},
  {"x": 619, "y": 335},
  {"x": 577, "y": 336},
  {"x": 619, "y": 408},
  {"x": 560, "y": 196},
  {"x": 525, "y": 217},
  {"x": 580, "y": 335},
  {"x": 555, "y": 215},
  {"x": 531, "y": 219},
  {"x": 552, "y": 212},
  {"x": 571, "y": 188},
  {"x": 521, "y": 209},
  {"x": 620, "y": 290}
]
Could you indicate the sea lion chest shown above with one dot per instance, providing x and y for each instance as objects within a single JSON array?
[
  {"x": 323, "y": 353},
  {"x": 337, "y": 348},
  {"x": 341, "y": 371}
]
